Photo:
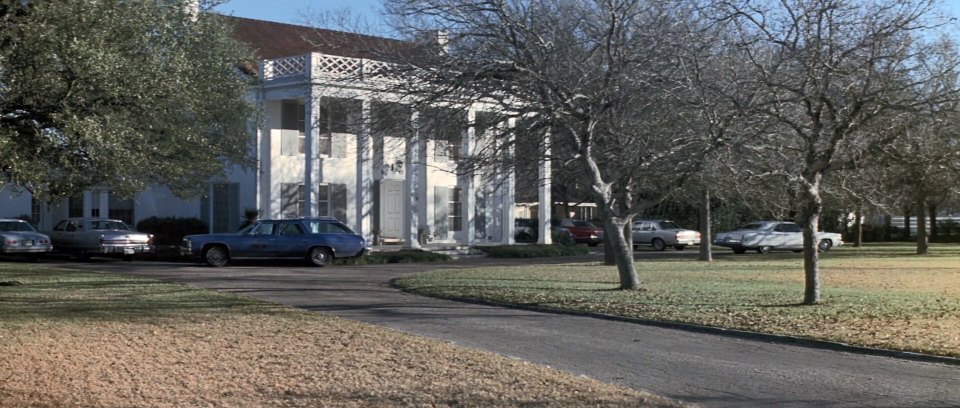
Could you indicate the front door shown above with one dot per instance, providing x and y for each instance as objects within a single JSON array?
[{"x": 391, "y": 208}]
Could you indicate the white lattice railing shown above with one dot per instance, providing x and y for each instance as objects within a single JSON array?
[
  {"x": 327, "y": 65},
  {"x": 285, "y": 67}
]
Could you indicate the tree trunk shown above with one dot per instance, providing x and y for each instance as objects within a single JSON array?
[
  {"x": 906, "y": 225},
  {"x": 706, "y": 251},
  {"x": 609, "y": 258},
  {"x": 622, "y": 252},
  {"x": 922, "y": 243},
  {"x": 858, "y": 228},
  {"x": 810, "y": 220},
  {"x": 932, "y": 213}
]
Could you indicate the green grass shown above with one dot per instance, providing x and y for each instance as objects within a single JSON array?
[
  {"x": 533, "y": 251},
  {"x": 53, "y": 294},
  {"x": 880, "y": 296}
]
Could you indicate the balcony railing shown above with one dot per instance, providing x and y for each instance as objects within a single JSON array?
[{"x": 324, "y": 65}]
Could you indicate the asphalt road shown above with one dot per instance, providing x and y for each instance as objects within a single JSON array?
[{"x": 705, "y": 369}]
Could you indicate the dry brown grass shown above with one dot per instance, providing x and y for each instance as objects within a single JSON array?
[{"x": 71, "y": 339}]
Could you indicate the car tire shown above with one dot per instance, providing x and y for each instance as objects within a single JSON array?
[
  {"x": 679, "y": 247},
  {"x": 216, "y": 256},
  {"x": 658, "y": 244},
  {"x": 824, "y": 245},
  {"x": 320, "y": 256},
  {"x": 739, "y": 251},
  {"x": 764, "y": 249}
]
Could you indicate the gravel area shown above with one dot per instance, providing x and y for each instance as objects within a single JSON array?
[{"x": 294, "y": 359}]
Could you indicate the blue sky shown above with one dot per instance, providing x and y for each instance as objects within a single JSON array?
[{"x": 294, "y": 11}]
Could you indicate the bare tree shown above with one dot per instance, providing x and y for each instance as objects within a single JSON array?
[
  {"x": 830, "y": 68},
  {"x": 589, "y": 73}
]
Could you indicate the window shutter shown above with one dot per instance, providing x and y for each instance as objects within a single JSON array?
[
  {"x": 338, "y": 200},
  {"x": 441, "y": 211}
]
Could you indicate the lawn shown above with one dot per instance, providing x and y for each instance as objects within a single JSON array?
[
  {"x": 877, "y": 296},
  {"x": 82, "y": 339}
]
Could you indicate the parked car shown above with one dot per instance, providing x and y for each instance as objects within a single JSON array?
[
  {"x": 584, "y": 232},
  {"x": 661, "y": 234},
  {"x": 766, "y": 236},
  {"x": 17, "y": 237},
  {"x": 318, "y": 240},
  {"x": 86, "y": 237}
]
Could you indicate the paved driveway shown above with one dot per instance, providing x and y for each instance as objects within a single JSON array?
[{"x": 706, "y": 369}]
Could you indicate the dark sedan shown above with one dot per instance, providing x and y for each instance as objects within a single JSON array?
[{"x": 318, "y": 240}]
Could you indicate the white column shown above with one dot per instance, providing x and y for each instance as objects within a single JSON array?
[
  {"x": 104, "y": 198},
  {"x": 411, "y": 187},
  {"x": 364, "y": 193},
  {"x": 544, "y": 231},
  {"x": 508, "y": 186},
  {"x": 311, "y": 106},
  {"x": 468, "y": 185},
  {"x": 87, "y": 203}
]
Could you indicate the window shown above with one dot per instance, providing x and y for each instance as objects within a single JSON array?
[
  {"x": 456, "y": 210},
  {"x": 292, "y": 200},
  {"x": 75, "y": 206},
  {"x": 326, "y": 227},
  {"x": 323, "y": 201},
  {"x": 264, "y": 228},
  {"x": 292, "y": 128},
  {"x": 35, "y": 210},
  {"x": 290, "y": 229},
  {"x": 121, "y": 209}
]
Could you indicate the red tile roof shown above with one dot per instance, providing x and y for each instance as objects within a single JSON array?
[{"x": 269, "y": 40}]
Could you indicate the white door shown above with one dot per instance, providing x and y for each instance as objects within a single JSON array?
[{"x": 391, "y": 208}]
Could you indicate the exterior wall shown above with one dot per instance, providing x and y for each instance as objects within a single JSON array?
[{"x": 14, "y": 202}]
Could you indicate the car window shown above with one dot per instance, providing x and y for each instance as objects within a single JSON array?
[
  {"x": 668, "y": 225},
  {"x": 647, "y": 226},
  {"x": 324, "y": 227},
  {"x": 62, "y": 225},
  {"x": 15, "y": 226},
  {"x": 73, "y": 226},
  {"x": 264, "y": 228},
  {"x": 289, "y": 230},
  {"x": 107, "y": 225},
  {"x": 586, "y": 224},
  {"x": 788, "y": 228}
]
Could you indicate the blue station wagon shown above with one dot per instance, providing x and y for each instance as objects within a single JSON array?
[{"x": 318, "y": 240}]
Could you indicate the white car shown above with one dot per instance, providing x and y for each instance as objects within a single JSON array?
[
  {"x": 662, "y": 233},
  {"x": 85, "y": 237},
  {"x": 766, "y": 236},
  {"x": 17, "y": 237}
]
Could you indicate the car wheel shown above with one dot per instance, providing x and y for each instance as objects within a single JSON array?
[
  {"x": 764, "y": 249},
  {"x": 824, "y": 245},
  {"x": 679, "y": 247},
  {"x": 320, "y": 256},
  {"x": 216, "y": 256},
  {"x": 658, "y": 244},
  {"x": 739, "y": 251}
]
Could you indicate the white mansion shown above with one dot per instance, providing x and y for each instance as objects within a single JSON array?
[{"x": 317, "y": 155}]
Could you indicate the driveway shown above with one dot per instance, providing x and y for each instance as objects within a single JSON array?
[{"x": 709, "y": 370}]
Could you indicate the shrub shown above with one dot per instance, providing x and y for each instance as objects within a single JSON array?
[
  {"x": 533, "y": 251},
  {"x": 171, "y": 230},
  {"x": 562, "y": 238},
  {"x": 401, "y": 256}
]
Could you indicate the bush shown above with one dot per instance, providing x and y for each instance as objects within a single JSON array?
[
  {"x": 171, "y": 230},
  {"x": 401, "y": 256},
  {"x": 562, "y": 238},
  {"x": 533, "y": 251}
]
